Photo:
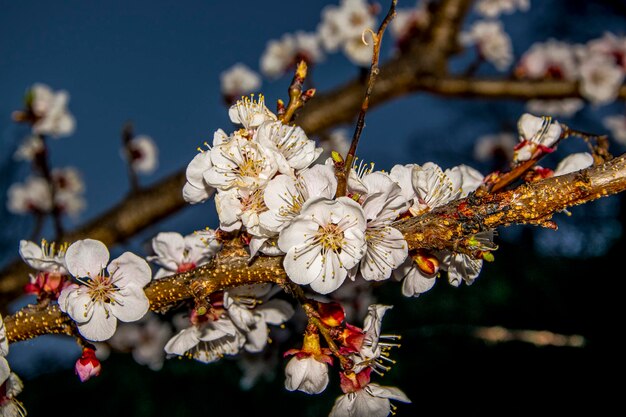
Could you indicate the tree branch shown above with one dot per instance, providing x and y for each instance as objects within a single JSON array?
[{"x": 442, "y": 228}]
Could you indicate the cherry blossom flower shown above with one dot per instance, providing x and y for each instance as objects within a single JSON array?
[
  {"x": 307, "y": 370},
  {"x": 573, "y": 162},
  {"x": 175, "y": 253},
  {"x": 408, "y": 22},
  {"x": 281, "y": 55},
  {"x": 142, "y": 154},
  {"x": 494, "y": 8},
  {"x": 497, "y": 147},
  {"x": 103, "y": 297},
  {"x": 551, "y": 59},
  {"x": 612, "y": 46},
  {"x": 492, "y": 42},
  {"x": 291, "y": 148},
  {"x": 50, "y": 111},
  {"x": 10, "y": 383},
  {"x": 237, "y": 81},
  {"x": 617, "y": 125},
  {"x": 145, "y": 339},
  {"x": 343, "y": 27},
  {"x": 323, "y": 243},
  {"x": 461, "y": 268},
  {"x": 418, "y": 273},
  {"x": 249, "y": 113},
  {"x": 31, "y": 196},
  {"x": 29, "y": 148},
  {"x": 284, "y": 195},
  {"x": 196, "y": 190},
  {"x": 536, "y": 133},
  {"x": 240, "y": 164},
  {"x": 566, "y": 107},
  {"x": 434, "y": 187},
  {"x": 49, "y": 261},
  {"x": 386, "y": 247},
  {"x": 364, "y": 399},
  {"x": 88, "y": 365},
  {"x": 69, "y": 187},
  {"x": 337, "y": 141},
  {"x": 600, "y": 78}
]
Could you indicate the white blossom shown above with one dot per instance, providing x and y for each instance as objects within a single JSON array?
[
  {"x": 434, "y": 187},
  {"x": 386, "y": 247},
  {"x": 337, "y": 141},
  {"x": 566, "y": 107},
  {"x": 285, "y": 195},
  {"x": 573, "y": 162},
  {"x": 535, "y": 133},
  {"x": 10, "y": 383},
  {"x": 50, "y": 109},
  {"x": 407, "y": 20},
  {"x": 196, "y": 189},
  {"x": 491, "y": 146},
  {"x": 550, "y": 59},
  {"x": 612, "y": 46},
  {"x": 461, "y": 268},
  {"x": 33, "y": 195},
  {"x": 600, "y": 79},
  {"x": 617, "y": 125},
  {"x": 102, "y": 297},
  {"x": 240, "y": 164},
  {"x": 493, "y": 43},
  {"x": 280, "y": 55},
  {"x": 494, "y": 8},
  {"x": 176, "y": 253},
  {"x": 306, "y": 374},
  {"x": 323, "y": 242},
  {"x": 292, "y": 149},
  {"x": 414, "y": 280},
  {"x": 142, "y": 154},
  {"x": 370, "y": 401},
  {"x": 374, "y": 350},
  {"x": 239, "y": 80},
  {"x": 47, "y": 257},
  {"x": 29, "y": 148},
  {"x": 249, "y": 113}
]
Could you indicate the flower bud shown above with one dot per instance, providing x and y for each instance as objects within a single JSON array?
[
  {"x": 87, "y": 365},
  {"x": 427, "y": 263}
]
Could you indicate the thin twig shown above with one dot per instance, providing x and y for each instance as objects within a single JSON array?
[{"x": 344, "y": 170}]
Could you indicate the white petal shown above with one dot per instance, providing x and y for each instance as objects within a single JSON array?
[
  {"x": 100, "y": 327},
  {"x": 275, "y": 311},
  {"x": 76, "y": 302},
  {"x": 5, "y": 371},
  {"x": 573, "y": 162},
  {"x": 86, "y": 257},
  {"x": 31, "y": 253},
  {"x": 343, "y": 407},
  {"x": 332, "y": 277},
  {"x": 306, "y": 375},
  {"x": 183, "y": 341},
  {"x": 194, "y": 195},
  {"x": 415, "y": 282},
  {"x": 392, "y": 393},
  {"x": 196, "y": 168},
  {"x": 305, "y": 268},
  {"x": 130, "y": 269},
  {"x": 256, "y": 338},
  {"x": 132, "y": 303},
  {"x": 169, "y": 248}
]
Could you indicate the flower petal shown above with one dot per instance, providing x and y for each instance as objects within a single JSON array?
[
  {"x": 131, "y": 303},
  {"x": 130, "y": 269},
  {"x": 86, "y": 257},
  {"x": 101, "y": 326},
  {"x": 183, "y": 341}
]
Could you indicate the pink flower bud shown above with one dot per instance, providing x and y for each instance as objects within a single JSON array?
[{"x": 87, "y": 365}]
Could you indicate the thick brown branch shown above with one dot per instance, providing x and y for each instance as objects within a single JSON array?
[
  {"x": 440, "y": 229},
  {"x": 502, "y": 88}
]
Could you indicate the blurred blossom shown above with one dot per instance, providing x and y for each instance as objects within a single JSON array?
[
  {"x": 494, "y": 8},
  {"x": 31, "y": 196},
  {"x": 567, "y": 107},
  {"x": 600, "y": 78},
  {"x": 281, "y": 55},
  {"x": 338, "y": 141},
  {"x": 496, "y": 147},
  {"x": 50, "y": 111},
  {"x": 408, "y": 21},
  {"x": 237, "y": 81},
  {"x": 550, "y": 59},
  {"x": 143, "y": 154},
  {"x": 617, "y": 125},
  {"x": 612, "y": 46},
  {"x": 492, "y": 42},
  {"x": 29, "y": 148}
]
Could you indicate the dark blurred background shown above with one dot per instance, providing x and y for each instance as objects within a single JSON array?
[{"x": 157, "y": 64}]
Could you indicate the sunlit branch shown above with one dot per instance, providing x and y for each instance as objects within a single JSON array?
[{"x": 442, "y": 228}]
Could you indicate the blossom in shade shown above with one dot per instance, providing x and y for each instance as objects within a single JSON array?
[
  {"x": 87, "y": 366},
  {"x": 364, "y": 399},
  {"x": 104, "y": 294},
  {"x": 237, "y": 81},
  {"x": 324, "y": 242},
  {"x": 600, "y": 78},
  {"x": 142, "y": 154},
  {"x": 10, "y": 383},
  {"x": 408, "y": 23},
  {"x": 307, "y": 370},
  {"x": 612, "y": 46},
  {"x": 492, "y": 42},
  {"x": 536, "y": 134},
  {"x": 175, "y": 253}
]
